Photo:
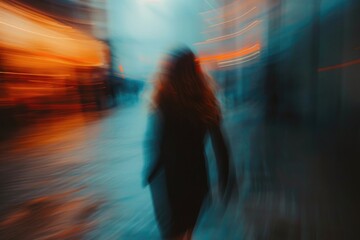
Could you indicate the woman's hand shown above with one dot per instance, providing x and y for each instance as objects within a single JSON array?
[{"x": 228, "y": 188}]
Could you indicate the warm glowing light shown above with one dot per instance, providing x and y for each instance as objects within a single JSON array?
[
  {"x": 121, "y": 68},
  {"x": 235, "y": 34},
  {"x": 230, "y": 10},
  {"x": 232, "y": 55},
  {"x": 37, "y": 33},
  {"x": 35, "y": 74},
  {"x": 342, "y": 65},
  {"x": 240, "y": 60},
  {"x": 46, "y": 64},
  {"x": 29, "y": 31}
]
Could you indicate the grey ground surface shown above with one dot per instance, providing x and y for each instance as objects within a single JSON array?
[{"x": 80, "y": 176}]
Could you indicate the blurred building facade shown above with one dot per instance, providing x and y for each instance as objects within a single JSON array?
[
  {"x": 234, "y": 43},
  {"x": 303, "y": 63},
  {"x": 88, "y": 16},
  {"x": 54, "y": 56},
  {"x": 313, "y": 57}
]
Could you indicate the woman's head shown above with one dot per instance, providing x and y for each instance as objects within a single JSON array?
[{"x": 183, "y": 86}]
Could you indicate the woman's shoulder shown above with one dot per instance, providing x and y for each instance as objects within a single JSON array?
[{"x": 154, "y": 115}]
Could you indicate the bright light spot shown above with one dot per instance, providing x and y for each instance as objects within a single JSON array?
[{"x": 121, "y": 68}]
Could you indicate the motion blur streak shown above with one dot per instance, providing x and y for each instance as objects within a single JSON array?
[
  {"x": 235, "y": 34},
  {"x": 40, "y": 34},
  {"x": 342, "y": 65},
  {"x": 234, "y": 19},
  {"x": 44, "y": 63},
  {"x": 77, "y": 80},
  {"x": 236, "y": 61},
  {"x": 231, "y": 55}
]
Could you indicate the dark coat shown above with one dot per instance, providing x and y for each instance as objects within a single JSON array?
[{"x": 176, "y": 169}]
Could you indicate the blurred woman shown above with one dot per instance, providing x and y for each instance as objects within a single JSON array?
[{"x": 185, "y": 110}]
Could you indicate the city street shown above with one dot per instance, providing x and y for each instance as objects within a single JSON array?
[
  {"x": 75, "y": 82},
  {"x": 93, "y": 160},
  {"x": 81, "y": 176}
]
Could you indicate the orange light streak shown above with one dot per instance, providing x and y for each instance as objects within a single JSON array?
[
  {"x": 229, "y": 10},
  {"x": 240, "y": 58},
  {"x": 43, "y": 56},
  {"x": 238, "y": 61},
  {"x": 342, "y": 65},
  {"x": 34, "y": 14},
  {"x": 231, "y": 35},
  {"x": 40, "y": 34},
  {"x": 31, "y": 88},
  {"x": 121, "y": 68},
  {"x": 231, "y": 55},
  {"x": 35, "y": 74}
]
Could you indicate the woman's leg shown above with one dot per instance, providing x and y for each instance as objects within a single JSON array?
[
  {"x": 178, "y": 237},
  {"x": 188, "y": 234}
]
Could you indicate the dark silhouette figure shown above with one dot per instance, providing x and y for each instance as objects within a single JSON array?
[{"x": 184, "y": 111}]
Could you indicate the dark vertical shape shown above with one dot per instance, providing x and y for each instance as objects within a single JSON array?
[
  {"x": 315, "y": 46},
  {"x": 275, "y": 27},
  {"x": 272, "y": 80}
]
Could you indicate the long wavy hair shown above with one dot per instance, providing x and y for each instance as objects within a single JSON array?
[{"x": 183, "y": 88}]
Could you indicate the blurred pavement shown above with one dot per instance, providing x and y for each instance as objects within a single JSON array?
[{"x": 80, "y": 176}]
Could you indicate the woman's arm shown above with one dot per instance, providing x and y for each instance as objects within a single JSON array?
[
  {"x": 151, "y": 148},
  {"x": 221, "y": 154}
]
